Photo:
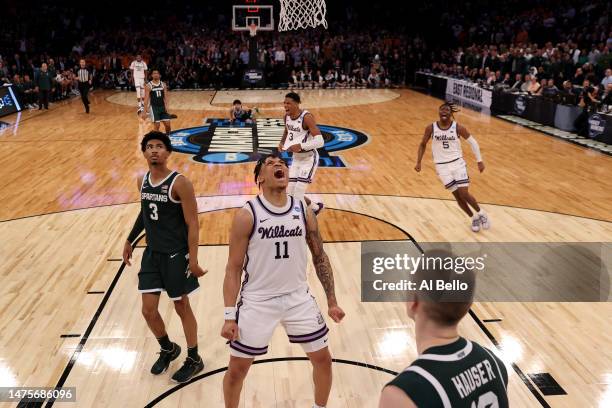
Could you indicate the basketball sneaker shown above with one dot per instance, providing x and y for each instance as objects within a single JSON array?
[
  {"x": 165, "y": 358},
  {"x": 484, "y": 221},
  {"x": 190, "y": 368},
  {"x": 476, "y": 223}
]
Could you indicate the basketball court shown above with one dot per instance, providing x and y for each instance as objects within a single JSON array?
[{"x": 70, "y": 308}]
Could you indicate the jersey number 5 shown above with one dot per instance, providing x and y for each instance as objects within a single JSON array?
[
  {"x": 278, "y": 250},
  {"x": 445, "y": 145},
  {"x": 154, "y": 216}
]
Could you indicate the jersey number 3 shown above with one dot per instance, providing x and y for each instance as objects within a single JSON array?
[
  {"x": 154, "y": 216},
  {"x": 278, "y": 250}
]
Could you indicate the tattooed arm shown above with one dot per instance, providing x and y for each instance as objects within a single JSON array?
[{"x": 322, "y": 265}]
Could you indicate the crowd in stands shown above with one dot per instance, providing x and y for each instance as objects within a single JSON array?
[
  {"x": 547, "y": 49},
  {"x": 199, "y": 51},
  {"x": 544, "y": 47}
]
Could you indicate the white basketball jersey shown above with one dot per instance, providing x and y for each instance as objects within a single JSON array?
[
  {"x": 445, "y": 144},
  {"x": 296, "y": 133},
  {"x": 139, "y": 69},
  {"x": 276, "y": 258}
]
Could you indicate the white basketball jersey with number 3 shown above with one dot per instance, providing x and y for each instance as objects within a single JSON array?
[{"x": 296, "y": 133}]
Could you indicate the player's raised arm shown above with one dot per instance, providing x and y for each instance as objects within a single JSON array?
[
  {"x": 238, "y": 244},
  {"x": 166, "y": 96},
  {"x": 281, "y": 144},
  {"x": 423, "y": 146},
  {"x": 184, "y": 190},
  {"x": 317, "y": 138},
  {"x": 463, "y": 132},
  {"x": 147, "y": 98},
  {"x": 136, "y": 230},
  {"x": 322, "y": 265}
]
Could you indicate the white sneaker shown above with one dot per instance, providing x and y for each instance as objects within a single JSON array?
[
  {"x": 476, "y": 224},
  {"x": 484, "y": 221}
]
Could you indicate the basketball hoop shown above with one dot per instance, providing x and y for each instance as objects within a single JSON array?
[
  {"x": 296, "y": 14},
  {"x": 253, "y": 29}
]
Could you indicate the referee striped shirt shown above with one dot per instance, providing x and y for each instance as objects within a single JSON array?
[{"x": 84, "y": 75}]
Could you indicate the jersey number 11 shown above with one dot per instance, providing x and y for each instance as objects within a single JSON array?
[{"x": 278, "y": 250}]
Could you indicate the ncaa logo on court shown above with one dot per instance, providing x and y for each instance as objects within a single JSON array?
[{"x": 220, "y": 142}]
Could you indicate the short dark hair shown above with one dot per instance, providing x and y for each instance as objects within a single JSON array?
[
  {"x": 263, "y": 159},
  {"x": 236, "y": 101},
  {"x": 156, "y": 135},
  {"x": 294, "y": 96},
  {"x": 450, "y": 105}
]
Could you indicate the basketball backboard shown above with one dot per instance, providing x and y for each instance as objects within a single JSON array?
[{"x": 243, "y": 16}]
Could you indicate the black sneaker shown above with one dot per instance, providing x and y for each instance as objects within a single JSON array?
[
  {"x": 190, "y": 368},
  {"x": 165, "y": 357}
]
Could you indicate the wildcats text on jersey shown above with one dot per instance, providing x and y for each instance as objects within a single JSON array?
[
  {"x": 279, "y": 231},
  {"x": 221, "y": 142}
]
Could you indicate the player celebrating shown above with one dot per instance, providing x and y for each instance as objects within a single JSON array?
[
  {"x": 450, "y": 166},
  {"x": 302, "y": 137},
  {"x": 139, "y": 74},
  {"x": 450, "y": 370},
  {"x": 155, "y": 100},
  {"x": 169, "y": 216},
  {"x": 268, "y": 241}
]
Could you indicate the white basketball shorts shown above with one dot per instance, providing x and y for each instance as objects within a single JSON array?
[
  {"x": 301, "y": 173},
  {"x": 297, "y": 312},
  {"x": 139, "y": 84},
  {"x": 453, "y": 174}
]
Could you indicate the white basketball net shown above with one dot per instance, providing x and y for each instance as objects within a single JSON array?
[{"x": 296, "y": 14}]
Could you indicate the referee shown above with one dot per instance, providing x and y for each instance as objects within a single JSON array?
[{"x": 84, "y": 84}]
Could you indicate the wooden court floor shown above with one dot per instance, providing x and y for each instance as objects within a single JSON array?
[{"x": 70, "y": 312}]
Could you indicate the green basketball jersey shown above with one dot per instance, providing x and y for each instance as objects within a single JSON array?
[
  {"x": 156, "y": 96},
  {"x": 163, "y": 216},
  {"x": 462, "y": 374}
]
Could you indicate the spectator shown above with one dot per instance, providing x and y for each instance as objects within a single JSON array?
[
  {"x": 550, "y": 91},
  {"x": 606, "y": 99},
  {"x": 527, "y": 83},
  {"x": 578, "y": 77},
  {"x": 607, "y": 79},
  {"x": 29, "y": 92},
  {"x": 518, "y": 83}
]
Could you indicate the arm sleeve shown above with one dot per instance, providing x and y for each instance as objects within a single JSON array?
[
  {"x": 475, "y": 148},
  {"x": 316, "y": 143},
  {"x": 137, "y": 229}
]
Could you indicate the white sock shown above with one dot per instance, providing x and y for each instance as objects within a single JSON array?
[
  {"x": 317, "y": 406},
  {"x": 481, "y": 212},
  {"x": 475, "y": 216}
]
